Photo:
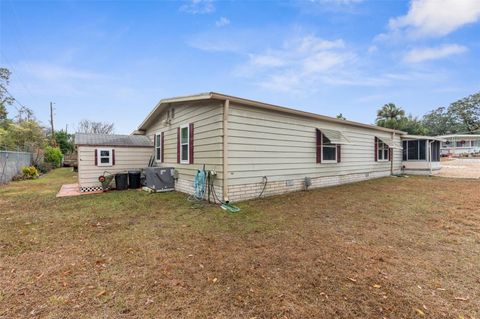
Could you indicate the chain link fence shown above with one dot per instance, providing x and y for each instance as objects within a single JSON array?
[{"x": 11, "y": 163}]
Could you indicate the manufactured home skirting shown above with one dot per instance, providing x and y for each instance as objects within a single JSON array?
[{"x": 250, "y": 191}]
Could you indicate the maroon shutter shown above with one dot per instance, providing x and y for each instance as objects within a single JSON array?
[
  {"x": 96, "y": 157},
  {"x": 155, "y": 146},
  {"x": 190, "y": 144},
  {"x": 161, "y": 147},
  {"x": 376, "y": 149},
  {"x": 319, "y": 146},
  {"x": 339, "y": 153},
  {"x": 178, "y": 145},
  {"x": 390, "y": 152},
  {"x": 113, "y": 157}
]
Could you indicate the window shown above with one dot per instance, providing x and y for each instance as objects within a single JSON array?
[
  {"x": 184, "y": 144},
  {"x": 158, "y": 147},
  {"x": 104, "y": 157},
  {"x": 382, "y": 151},
  {"x": 329, "y": 151},
  {"x": 460, "y": 144},
  {"x": 415, "y": 150}
]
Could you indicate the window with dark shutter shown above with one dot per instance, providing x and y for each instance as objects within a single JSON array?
[
  {"x": 339, "y": 153},
  {"x": 186, "y": 143},
  {"x": 158, "y": 147},
  {"x": 376, "y": 149}
]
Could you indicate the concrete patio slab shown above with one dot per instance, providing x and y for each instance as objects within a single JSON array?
[{"x": 68, "y": 190}]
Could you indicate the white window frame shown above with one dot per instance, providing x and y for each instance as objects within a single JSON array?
[
  {"x": 383, "y": 147},
  {"x": 331, "y": 145},
  {"x": 187, "y": 161},
  {"x": 158, "y": 145},
  {"x": 99, "y": 156}
]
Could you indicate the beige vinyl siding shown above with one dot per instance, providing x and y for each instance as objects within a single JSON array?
[
  {"x": 126, "y": 158},
  {"x": 208, "y": 138},
  {"x": 283, "y": 147}
]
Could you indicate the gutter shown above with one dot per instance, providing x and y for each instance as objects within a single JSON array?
[{"x": 226, "y": 111}]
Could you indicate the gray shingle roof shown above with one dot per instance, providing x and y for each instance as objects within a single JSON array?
[{"x": 112, "y": 140}]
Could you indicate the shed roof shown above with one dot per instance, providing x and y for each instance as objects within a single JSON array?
[
  {"x": 219, "y": 96},
  {"x": 112, "y": 140}
]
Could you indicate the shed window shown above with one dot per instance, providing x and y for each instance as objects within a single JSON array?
[
  {"x": 329, "y": 150},
  {"x": 105, "y": 157},
  {"x": 184, "y": 144},
  {"x": 158, "y": 147}
]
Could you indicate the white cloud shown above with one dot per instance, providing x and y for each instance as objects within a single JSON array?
[
  {"x": 198, "y": 7},
  {"x": 435, "y": 18},
  {"x": 425, "y": 54},
  {"x": 222, "y": 22},
  {"x": 299, "y": 63}
]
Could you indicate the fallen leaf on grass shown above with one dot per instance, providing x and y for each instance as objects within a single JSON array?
[
  {"x": 214, "y": 280},
  {"x": 376, "y": 286},
  {"x": 461, "y": 298},
  {"x": 352, "y": 279},
  {"x": 101, "y": 293},
  {"x": 419, "y": 312}
]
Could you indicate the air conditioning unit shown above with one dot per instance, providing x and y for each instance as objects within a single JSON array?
[{"x": 160, "y": 179}]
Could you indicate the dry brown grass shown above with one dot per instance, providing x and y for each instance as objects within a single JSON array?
[{"x": 393, "y": 248}]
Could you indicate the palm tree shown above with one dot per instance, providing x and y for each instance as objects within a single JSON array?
[{"x": 390, "y": 116}]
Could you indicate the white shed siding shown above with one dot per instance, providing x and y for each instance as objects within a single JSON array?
[
  {"x": 283, "y": 147},
  {"x": 126, "y": 158},
  {"x": 208, "y": 138}
]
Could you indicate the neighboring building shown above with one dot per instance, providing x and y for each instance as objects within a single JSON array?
[
  {"x": 460, "y": 144},
  {"x": 256, "y": 148},
  {"x": 100, "y": 154},
  {"x": 421, "y": 154}
]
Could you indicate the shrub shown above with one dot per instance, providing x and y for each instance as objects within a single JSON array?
[
  {"x": 29, "y": 172},
  {"x": 44, "y": 167},
  {"x": 53, "y": 155}
]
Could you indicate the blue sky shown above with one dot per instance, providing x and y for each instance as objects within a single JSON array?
[{"x": 114, "y": 60}]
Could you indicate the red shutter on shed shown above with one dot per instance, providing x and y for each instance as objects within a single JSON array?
[
  {"x": 162, "y": 147},
  {"x": 319, "y": 146},
  {"x": 178, "y": 144},
  {"x": 190, "y": 144},
  {"x": 376, "y": 149},
  {"x": 113, "y": 157},
  {"x": 339, "y": 153},
  {"x": 96, "y": 157}
]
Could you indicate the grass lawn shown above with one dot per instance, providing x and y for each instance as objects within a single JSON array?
[{"x": 387, "y": 248}]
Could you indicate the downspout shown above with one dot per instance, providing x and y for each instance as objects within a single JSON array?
[
  {"x": 226, "y": 110},
  {"x": 393, "y": 155}
]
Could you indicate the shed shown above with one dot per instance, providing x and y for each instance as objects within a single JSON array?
[{"x": 100, "y": 154}]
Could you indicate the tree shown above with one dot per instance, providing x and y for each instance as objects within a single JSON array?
[
  {"x": 27, "y": 136},
  {"x": 64, "y": 141},
  {"x": 413, "y": 125},
  {"x": 467, "y": 112},
  {"x": 5, "y": 98},
  {"x": 390, "y": 116},
  {"x": 440, "y": 122},
  {"x": 86, "y": 126}
]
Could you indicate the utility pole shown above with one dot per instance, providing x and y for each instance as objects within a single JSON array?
[{"x": 51, "y": 123}]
